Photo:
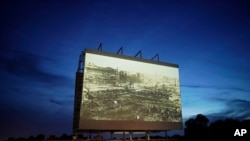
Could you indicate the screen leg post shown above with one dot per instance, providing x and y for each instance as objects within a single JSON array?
[
  {"x": 123, "y": 136},
  {"x": 147, "y": 135},
  {"x": 166, "y": 135},
  {"x": 111, "y": 135},
  {"x": 130, "y": 135}
]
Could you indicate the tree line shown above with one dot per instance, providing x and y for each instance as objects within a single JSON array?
[{"x": 196, "y": 129}]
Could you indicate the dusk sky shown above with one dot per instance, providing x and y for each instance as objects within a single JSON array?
[{"x": 41, "y": 41}]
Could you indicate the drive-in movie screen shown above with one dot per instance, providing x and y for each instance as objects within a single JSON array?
[{"x": 129, "y": 93}]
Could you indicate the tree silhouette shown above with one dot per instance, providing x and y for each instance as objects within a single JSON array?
[
  {"x": 222, "y": 129},
  {"x": 65, "y": 137},
  {"x": 40, "y": 137},
  {"x": 196, "y": 129},
  {"x": 31, "y": 138}
]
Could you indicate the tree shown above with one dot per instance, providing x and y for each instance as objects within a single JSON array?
[
  {"x": 65, "y": 137},
  {"x": 222, "y": 129},
  {"x": 11, "y": 139},
  {"x": 31, "y": 138},
  {"x": 197, "y": 129},
  {"x": 40, "y": 137}
]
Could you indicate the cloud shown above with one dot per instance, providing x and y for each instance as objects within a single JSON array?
[
  {"x": 35, "y": 121},
  {"x": 23, "y": 64},
  {"x": 236, "y": 109},
  {"x": 61, "y": 102},
  {"x": 28, "y": 90},
  {"x": 215, "y": 87}
]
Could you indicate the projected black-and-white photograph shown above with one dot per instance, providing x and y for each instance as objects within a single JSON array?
[{"x": 122, "y": 89}]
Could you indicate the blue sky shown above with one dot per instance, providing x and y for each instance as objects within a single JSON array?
[{"x": 41, "y": 41}]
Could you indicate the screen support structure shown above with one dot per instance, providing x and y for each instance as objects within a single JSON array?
[
  {"x": 98, "y": 135},
  {"x": 156, "y": 56},
  {"x": 80, "y": 70},
  {"x": 100, "y": 47},
  {"x": 139, "y": 53},
  {"x": 120, "y": 51},
  {"x": 81, "y": 63}
]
